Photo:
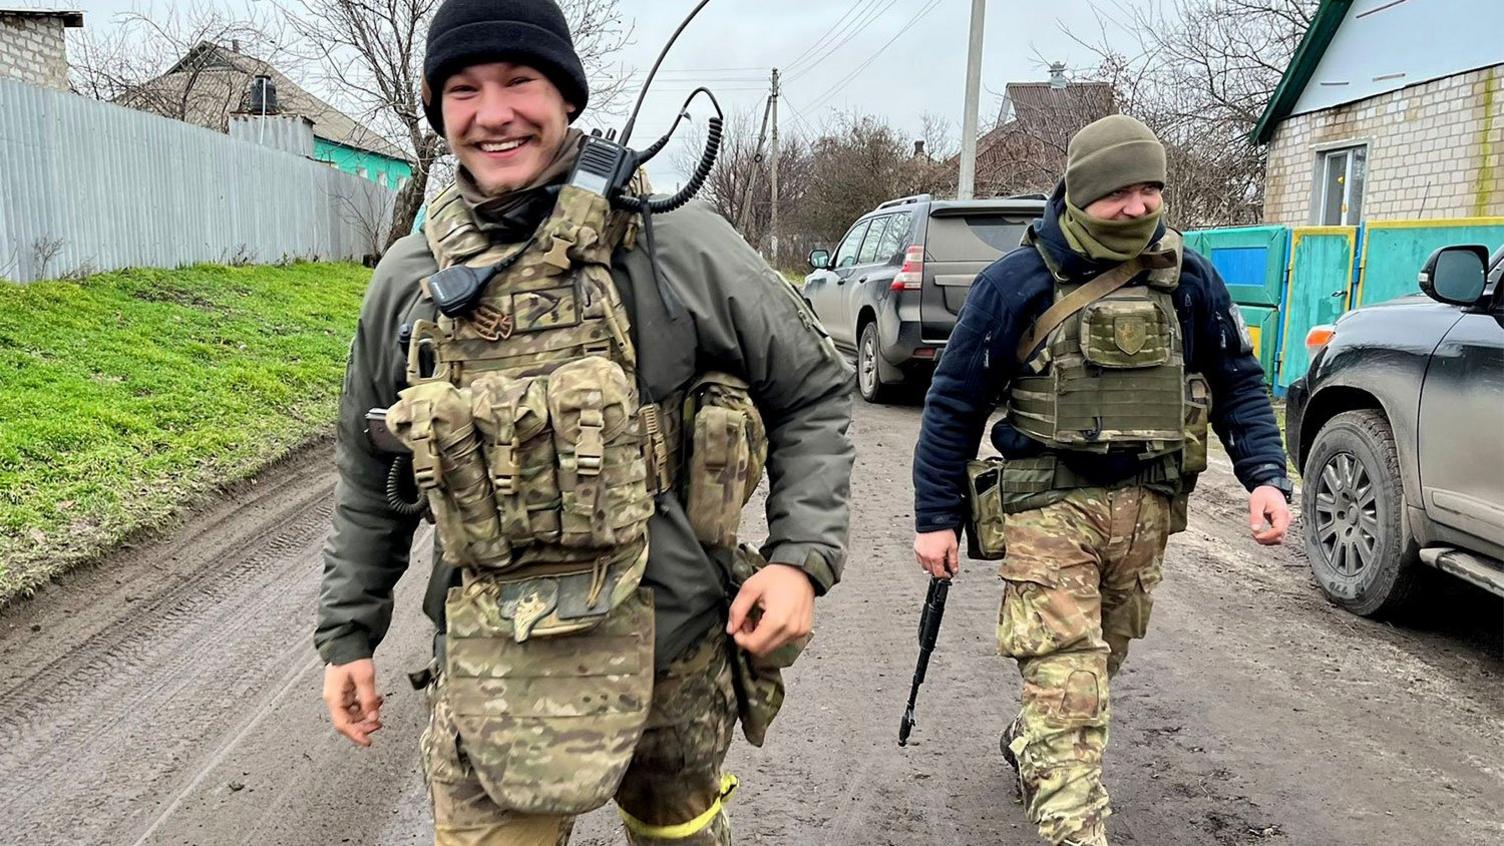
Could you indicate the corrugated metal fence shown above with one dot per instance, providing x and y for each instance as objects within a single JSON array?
[{"x": 88, "y": 186}]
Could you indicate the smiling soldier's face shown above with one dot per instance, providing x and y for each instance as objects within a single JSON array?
[{"x": 504, "y": 122}]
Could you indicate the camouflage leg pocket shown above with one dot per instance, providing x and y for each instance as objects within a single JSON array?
[
  {"x": 548, "y": 724},
  {"x": 758, "y": 679}
]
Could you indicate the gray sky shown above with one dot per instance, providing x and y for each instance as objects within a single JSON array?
[{"x": 896, "y": 59}]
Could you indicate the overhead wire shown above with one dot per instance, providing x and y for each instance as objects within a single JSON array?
[
  {"x": 846, "y": 39},
  {"x": 846, "y": 80},
  {"x": 827, "y": 33}
]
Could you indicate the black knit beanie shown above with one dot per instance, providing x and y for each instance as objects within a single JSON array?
[{"x": 529, "y": 32}]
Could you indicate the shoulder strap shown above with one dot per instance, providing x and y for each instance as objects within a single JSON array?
[{"x": 1073, "y": 302}]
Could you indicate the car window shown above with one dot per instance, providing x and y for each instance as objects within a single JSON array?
[
  {"x": 974, "y": 237},
  {"x": 846, "y": 255},
  {"x": 868, "y": 253},
  {"x": 895, "y": 237}
]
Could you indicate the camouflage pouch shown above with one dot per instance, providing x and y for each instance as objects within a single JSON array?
[
  {"x": 1198, "y": 410},
  {"x": 512, "y": 418},
  {"x": 603, "y": 488},
  {"x": 1125, "y": 334},
  {"x": 984, "y": 531},
  {"x": 1030, "y": 483},
  {"x": 757, "y": 680},
  {"x": 433, "y": 419},
  {"x": 548, "y": 724},
  {"x": 727, "y": 449}
]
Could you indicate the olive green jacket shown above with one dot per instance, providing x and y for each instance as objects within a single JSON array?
[{"x": 721, "y": 308}]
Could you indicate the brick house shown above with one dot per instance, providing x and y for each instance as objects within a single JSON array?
[
  {"x": 32, "y": 48},
  {"x": 1390, "y": 109},
  {"x": 1025, "y": 152}
]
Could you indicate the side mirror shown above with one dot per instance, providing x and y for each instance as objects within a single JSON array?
[
  {"x": 1455, "y": 275},
  {"x": 819, "y": 259}
]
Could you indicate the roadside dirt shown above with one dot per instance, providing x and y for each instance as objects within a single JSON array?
[{"x": 171, "y": 695}]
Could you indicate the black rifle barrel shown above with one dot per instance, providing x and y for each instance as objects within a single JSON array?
[{"x": 929, "y": 631}]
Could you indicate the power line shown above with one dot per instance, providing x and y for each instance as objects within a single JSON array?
[
  {"x": 846, "y": 80},
  {"x": 799, "y": 116},
  {"x": 826, "y": 34},
  {"x": 835, "y": 48}
]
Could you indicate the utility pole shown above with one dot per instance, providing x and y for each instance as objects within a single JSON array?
[
  {"x": 773, "y": 224},
  {"x": 742, "y": 208},
  {"x": 966, "y": 186}
]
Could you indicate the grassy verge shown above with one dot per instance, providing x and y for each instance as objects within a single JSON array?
[{"x": 125, "y": 395}]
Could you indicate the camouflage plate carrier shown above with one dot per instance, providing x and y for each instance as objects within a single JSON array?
[
  {"x": 540, "y": 462},
  {"x": 1109, "y": 378}
]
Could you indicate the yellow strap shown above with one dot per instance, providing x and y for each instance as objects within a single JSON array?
[{"x": 685, "y": 829}]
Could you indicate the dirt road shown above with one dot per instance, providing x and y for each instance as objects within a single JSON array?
[{"x": 172, "y": 696}]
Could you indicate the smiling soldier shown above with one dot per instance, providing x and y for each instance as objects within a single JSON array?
[
  {"x": 1110, "y": 346},
  {"x": 584, "y": 427}
]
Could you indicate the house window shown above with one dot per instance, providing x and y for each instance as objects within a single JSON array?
[{"x": 1339, "y": 185}]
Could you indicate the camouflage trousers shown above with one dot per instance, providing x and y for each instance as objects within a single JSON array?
[
  {"x": 1077, "y": 584},
  {"x": 674, "y": 777}
]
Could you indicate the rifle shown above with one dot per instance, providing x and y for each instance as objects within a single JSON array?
[{"x": 929, "y": 630}]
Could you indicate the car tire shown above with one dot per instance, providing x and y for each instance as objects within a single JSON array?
[
  {"x": 1357, "y": 535},
  {"x": 869, "y": 377}
]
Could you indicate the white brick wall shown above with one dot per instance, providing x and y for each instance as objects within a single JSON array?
[
  {"x": 1434, "y": 150},
  {"x": 32, "y": 50}
]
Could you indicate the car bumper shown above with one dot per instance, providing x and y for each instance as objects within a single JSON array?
[{"x": 902, "y": 346}]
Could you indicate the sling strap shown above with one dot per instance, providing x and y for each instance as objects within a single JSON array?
[{"x": 1076, "y": 300}]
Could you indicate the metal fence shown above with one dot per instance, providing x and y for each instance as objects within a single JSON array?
[{"x": 87, "y": 186}]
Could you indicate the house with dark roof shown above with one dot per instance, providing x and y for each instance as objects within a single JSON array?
[
  {"x": 32, "y": 47},
  {"x": 213, "y": 86},
  {"x": 1025, "y": 152},
  {"x": 1390, "y": 109}
]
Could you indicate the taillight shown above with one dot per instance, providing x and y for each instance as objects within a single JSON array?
[
  {"x": 911, "y": 276},
  {"x": 1317, "y": 339}
]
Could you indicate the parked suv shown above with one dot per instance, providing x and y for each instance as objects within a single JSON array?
[
  {"x": 892, "y": 291},
  {"x": 1399, "y": 428}
]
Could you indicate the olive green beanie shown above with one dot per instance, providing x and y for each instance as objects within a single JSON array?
[{"x": 1108, "y": 154}]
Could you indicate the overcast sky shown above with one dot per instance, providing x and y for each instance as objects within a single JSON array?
[{"x": 896, "y": 59}]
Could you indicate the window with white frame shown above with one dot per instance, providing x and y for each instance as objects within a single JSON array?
[{"x": 1340, "y": 174}]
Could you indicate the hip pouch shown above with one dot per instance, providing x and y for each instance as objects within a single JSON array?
[
  {"x": 727, "y": 447},
  {"x": 433, "y": 419},
  {"x": 549, "y": 693},
  {"x": 757, "y": 679},
  {"x": 984, "y": 531},
  {"x": 1198, "y": 407}
]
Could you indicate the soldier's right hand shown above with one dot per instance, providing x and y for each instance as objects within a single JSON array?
[
  {"x": 350, "y": 694},
  {"x": 938, "y": 553}
]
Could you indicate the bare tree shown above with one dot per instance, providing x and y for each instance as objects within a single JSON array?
[
  {"x": 165, "y": 62},
  {"x": 1200, "y": 73},
  {"x": 371, "y": 52}
]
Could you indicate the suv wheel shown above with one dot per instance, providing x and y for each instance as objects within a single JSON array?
[
  {"x": 869, "y": 380},
  {"x": 1357, "y": 537}
]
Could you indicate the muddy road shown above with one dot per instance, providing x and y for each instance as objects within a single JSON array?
[{"x": 171, "y": 695}]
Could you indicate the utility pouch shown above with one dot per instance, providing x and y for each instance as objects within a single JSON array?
[
  {"x": 604, "y": 498},
  {"x": 1198, "y": 412},
  {"x": 512, "y": 418},
  {"x": 1030, "y": 483},
  {"x": 1121, "y": 334},
  {"x": 727, "y": 449},
  {"x": 984, "y": 531},
  {"x": 757, "y": 680},
  {"x": 549, "y": 723},
  {"x": 433, "y": 419}
]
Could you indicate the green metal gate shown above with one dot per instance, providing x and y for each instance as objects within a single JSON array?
[
  {"x": 1319, "y": 289},
  {"x": 1395, "y": 250}
]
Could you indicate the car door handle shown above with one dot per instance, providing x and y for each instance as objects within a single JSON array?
[{"x": 861, "y": 280}]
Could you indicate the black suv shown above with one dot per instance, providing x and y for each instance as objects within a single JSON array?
[
  {"x": 1399, "y": 428},
  {"x": 892, "y": 291}
]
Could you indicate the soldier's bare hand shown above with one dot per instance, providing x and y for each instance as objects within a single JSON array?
[
  {"x": 354, "y": 706},
  {"x": 784, "y": 601},
  {"x": 938, "y": 553},
  {"x": 1268, "y": 515}
]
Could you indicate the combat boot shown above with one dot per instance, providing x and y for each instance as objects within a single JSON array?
[{"x": 1005, "y": 743}]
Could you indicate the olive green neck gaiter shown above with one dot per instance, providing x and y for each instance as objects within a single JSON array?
[{"x": 1108, "y": 240}]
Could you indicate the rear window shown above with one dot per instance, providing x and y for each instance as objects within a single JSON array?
[{"x": 978, "y": 237}]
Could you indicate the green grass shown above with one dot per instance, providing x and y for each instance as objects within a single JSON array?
[{"x": 126, "y": 395}]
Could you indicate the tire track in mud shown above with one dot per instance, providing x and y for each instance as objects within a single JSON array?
[{"x": 103, "y": 721}]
